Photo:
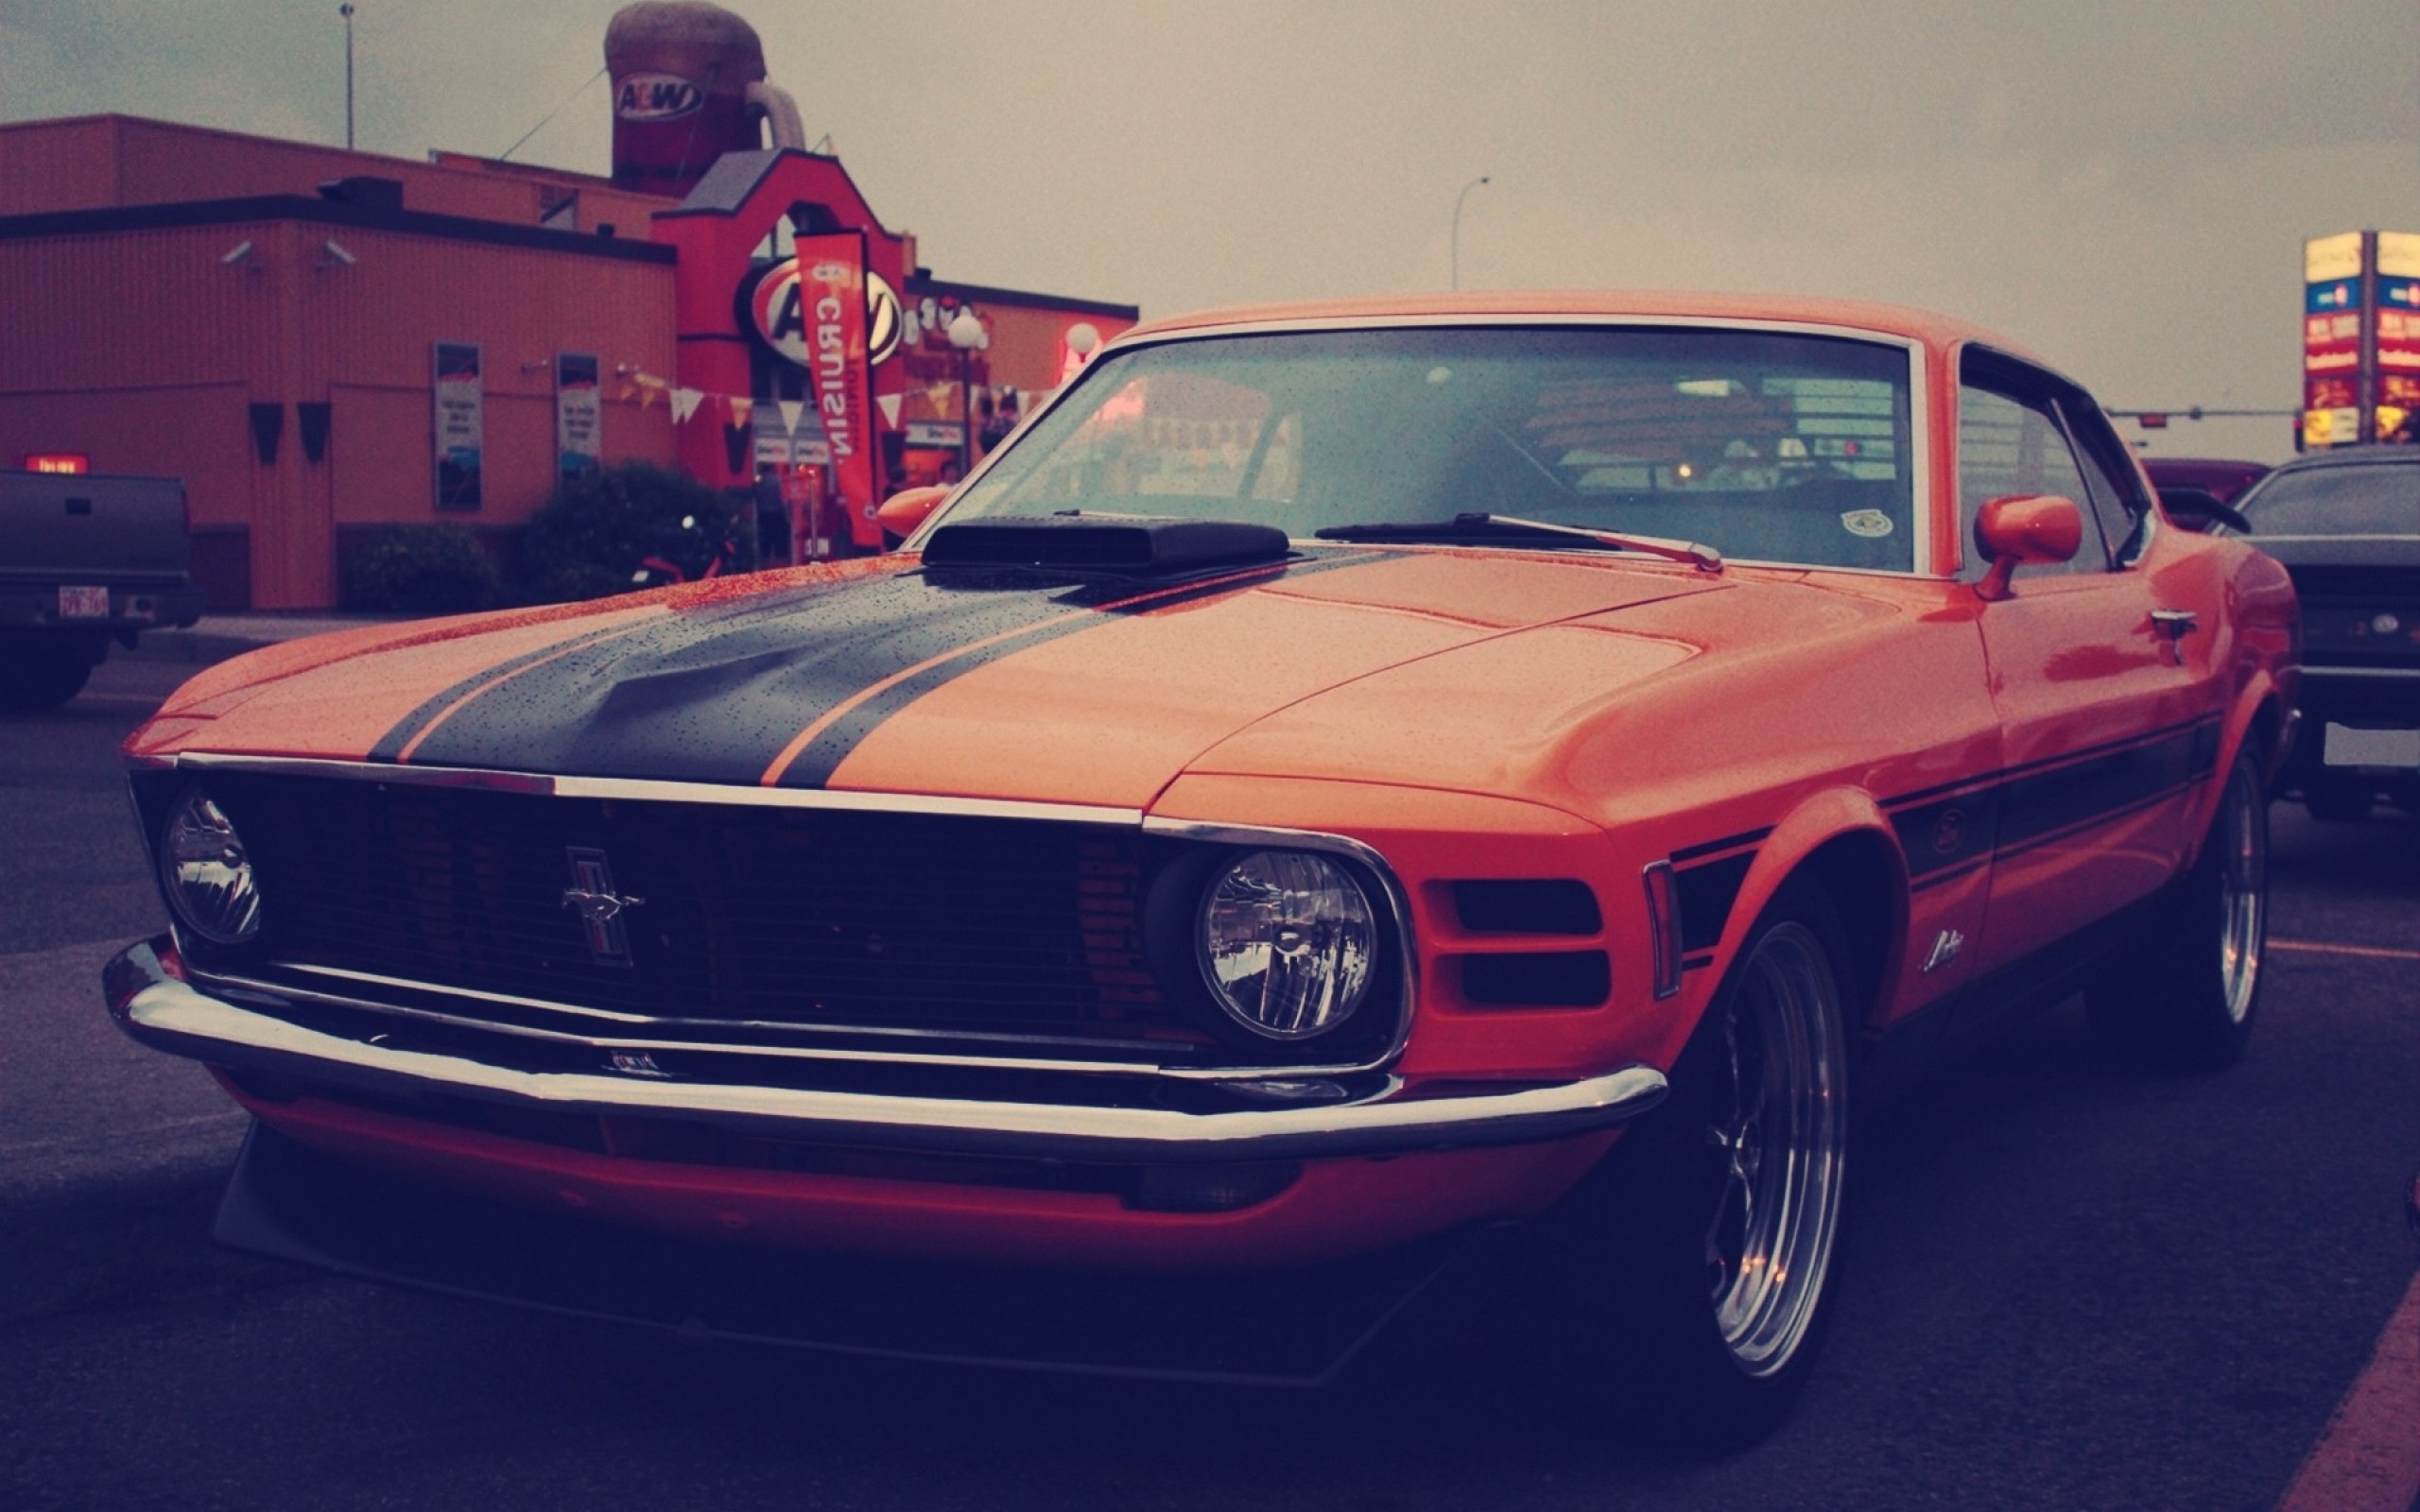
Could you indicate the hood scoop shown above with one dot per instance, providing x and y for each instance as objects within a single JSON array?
[{"x": 1118, "y": 543}]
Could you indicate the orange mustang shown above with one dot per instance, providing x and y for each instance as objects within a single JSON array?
[{"x": 1341, "y": 779}]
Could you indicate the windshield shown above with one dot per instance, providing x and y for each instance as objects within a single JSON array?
[
  {"x": 2362, "y": 499},
  {"x": 1766, "y": 447}
]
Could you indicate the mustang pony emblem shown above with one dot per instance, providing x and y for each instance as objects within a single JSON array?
[{"x": 600, "y": 907}]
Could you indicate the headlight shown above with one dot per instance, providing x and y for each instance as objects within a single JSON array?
[
  {"x": 1288, "y": 939},
  {"x": 206, "y": 874}
]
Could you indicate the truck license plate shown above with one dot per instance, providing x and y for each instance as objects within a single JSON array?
[
  {"x": 2348, "y": 746},
  {"x": 83, "y": 603}
]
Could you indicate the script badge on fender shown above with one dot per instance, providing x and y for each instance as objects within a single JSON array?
[{"x": 600, "y": 906}]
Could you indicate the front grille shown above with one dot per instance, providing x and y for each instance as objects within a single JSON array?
[{"x": 801, "y": 919}]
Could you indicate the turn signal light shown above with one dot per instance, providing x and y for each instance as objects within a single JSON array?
[{"x": 1664, "y": 926}]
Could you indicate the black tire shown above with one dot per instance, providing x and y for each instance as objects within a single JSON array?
[
  {"x": 42, "y": 672},
  {"x": 2337, "y": 799},
  {"x": 1718, "y": 1351},
  {"x": 2181, "y": 995}
]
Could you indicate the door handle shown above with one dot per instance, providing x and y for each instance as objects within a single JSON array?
[{"x": 2175, "y": 624}]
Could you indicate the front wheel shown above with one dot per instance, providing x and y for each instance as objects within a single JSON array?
[
  {"x": 1723, "y": 1209},
  {"x": 2182, "y": 994}
]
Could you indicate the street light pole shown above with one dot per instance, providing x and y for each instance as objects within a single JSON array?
[
  {"x": 346, "y": 10},
  {"x": 1457, "y": 226},
  {"x": 965, "y": 332}
]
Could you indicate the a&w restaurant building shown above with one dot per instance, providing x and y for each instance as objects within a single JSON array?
[{"x": 319, "y": 341}]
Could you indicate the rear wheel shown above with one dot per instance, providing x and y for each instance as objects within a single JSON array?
[
  {"x": 2183, "y": 992},
  {"x": 44, "y": 671},
  {"x": 1723, "y": 1208}
]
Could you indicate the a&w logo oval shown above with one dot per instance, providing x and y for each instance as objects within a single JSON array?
[
  {"x": 884, "y": 325},
  {"x": 654, "y": 96},
  {"x": 774, "y": 307}
]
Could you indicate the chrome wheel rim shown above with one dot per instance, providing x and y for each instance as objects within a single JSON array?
[
  {"x": 1781, "y": 1140},
  {"x": 2243, "y": 893}
]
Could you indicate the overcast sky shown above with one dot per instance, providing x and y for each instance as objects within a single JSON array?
[{"x": 2123, "y": 187}]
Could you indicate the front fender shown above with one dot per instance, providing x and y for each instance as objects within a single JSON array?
[{"x": 1840, "y": 822}]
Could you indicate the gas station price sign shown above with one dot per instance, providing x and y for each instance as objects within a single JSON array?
[{"x": 2360, "y": 339}]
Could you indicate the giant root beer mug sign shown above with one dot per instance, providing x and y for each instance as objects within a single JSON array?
[
  {"x": 2360, "y": 339},
  {"x": 688, "y": 86}
]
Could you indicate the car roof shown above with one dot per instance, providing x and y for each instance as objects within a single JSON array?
[
  {"x": 2181, "y": 464},
  {"x": 1938, "y": 330},
  {"x": 2355, "y": 457}
]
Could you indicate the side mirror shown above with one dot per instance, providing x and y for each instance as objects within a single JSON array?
[
  {"x": 2198, "y": 509},
  {"x": 2024, "y": 530},
  {"x": 904, "y": 511}
]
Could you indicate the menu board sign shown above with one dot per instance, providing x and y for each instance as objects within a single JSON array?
[
  {"x": 460, "y": 423},
  {"x": 578, "y": 413}
]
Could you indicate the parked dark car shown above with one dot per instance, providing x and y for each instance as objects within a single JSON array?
[
  {"x": 2222, "y": 478},
  {"x": 2346, "y": 524}
]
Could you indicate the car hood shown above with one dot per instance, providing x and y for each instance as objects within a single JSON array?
[{"x": 1007, "y": 683}]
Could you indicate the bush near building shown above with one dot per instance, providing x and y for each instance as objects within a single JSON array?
[
  {"x": 599, "y": 526},
  {"x": 418, "y": 570}
]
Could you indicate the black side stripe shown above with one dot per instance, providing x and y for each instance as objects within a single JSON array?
[
  {"x": 1729, "y": 842},
  {"x": 2206, "y": 725},
  {"x": 1706, "y": 893},
  {"x": 1956, "y": 829},
  {"x": 2042, "y": 801}
]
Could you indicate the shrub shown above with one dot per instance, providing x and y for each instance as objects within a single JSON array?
[
  {"x": 597, "y": 529},
  {"x": 418, "y": 570}
]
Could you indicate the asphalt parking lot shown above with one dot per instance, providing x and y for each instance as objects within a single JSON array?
[{"x": 2068, "y": 1287}]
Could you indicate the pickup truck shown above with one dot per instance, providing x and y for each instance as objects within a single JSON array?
[{"x": 85, "y": 559}]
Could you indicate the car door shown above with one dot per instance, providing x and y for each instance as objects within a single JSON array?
[{"x": 2102, "y": 714}]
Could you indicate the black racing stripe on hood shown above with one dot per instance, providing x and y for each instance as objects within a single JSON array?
[
  {"x": 814, "y": 765},
  {"x": 715, "y": 694},
  {"x": 392, "y": 744}
]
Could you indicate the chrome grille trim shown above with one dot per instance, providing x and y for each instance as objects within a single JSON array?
[
  {"x": 263, "y": 995},
  {"x": 1394, "y": 897},
  {"x": 371, "y": 979},
  {"x": 721, "y": 795}
]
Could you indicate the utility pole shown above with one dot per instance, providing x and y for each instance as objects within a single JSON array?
[{"x": 346, "y": 10}]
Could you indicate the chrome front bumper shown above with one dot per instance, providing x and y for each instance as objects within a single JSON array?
[{"x": 165, "y": 1013}]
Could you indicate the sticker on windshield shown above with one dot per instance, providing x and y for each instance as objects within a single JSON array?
[{"x": 1871, "y": 524}]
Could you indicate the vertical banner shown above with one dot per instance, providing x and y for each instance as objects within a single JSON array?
[
  {"x": 830, "y": 290},
  {"x": 459, "y": 424},
  {"x": 579, "y": 425}
]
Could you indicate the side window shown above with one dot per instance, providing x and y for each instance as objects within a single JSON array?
[
  {"x": 2012, "y": 444},
  {"x": 2117, "y": 496}
]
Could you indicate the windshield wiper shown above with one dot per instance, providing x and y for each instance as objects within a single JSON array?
[{"x": 1483, "y": 526}]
